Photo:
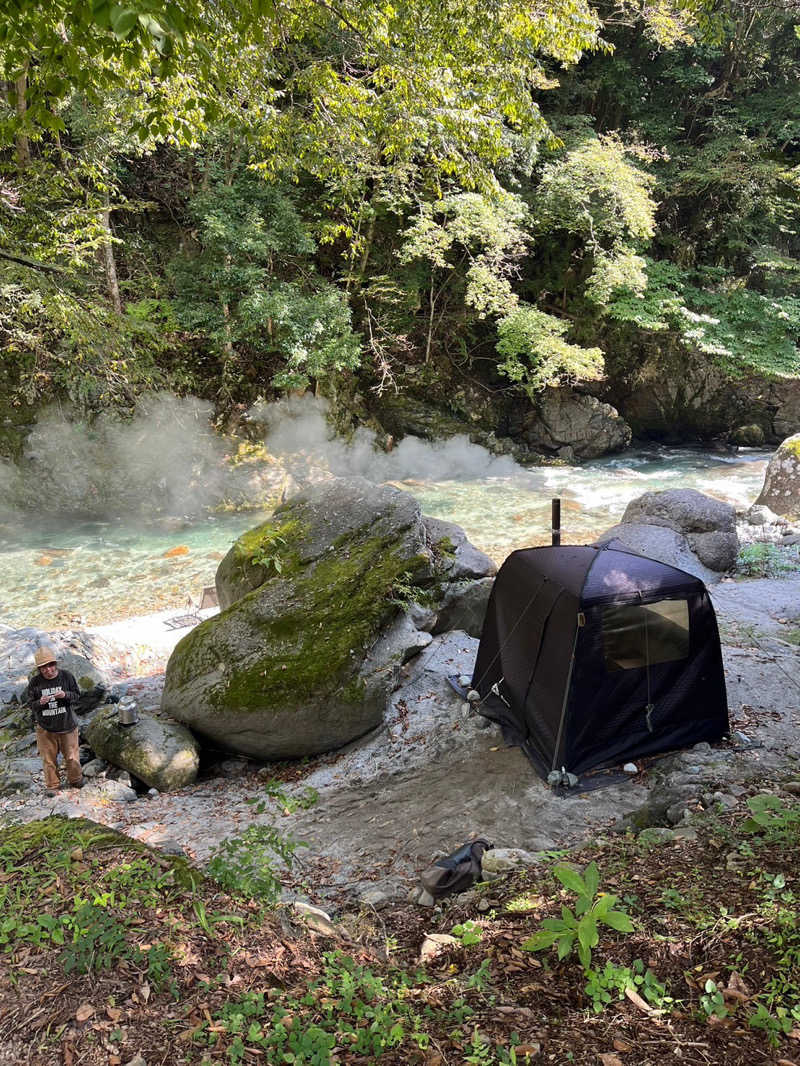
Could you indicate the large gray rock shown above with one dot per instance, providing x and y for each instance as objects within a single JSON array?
[
  {"x": 304, "y": 662},
  {"x": 164, "y": 755},
  {"x": 575, "y": 425},
  {"x": 709, "y": 525},
  {"x": 86, "y": 657},
  {"x": 661, "y": 543},
  {"x": 781, "y": 491}
]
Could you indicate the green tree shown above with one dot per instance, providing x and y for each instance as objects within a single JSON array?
[{"x": 248, "y": 286}]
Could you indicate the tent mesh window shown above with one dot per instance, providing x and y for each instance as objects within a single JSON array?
[{"x": 643, "y": 634}]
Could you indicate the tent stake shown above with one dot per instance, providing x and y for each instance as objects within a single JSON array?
[{"x": 556, "y": 521}]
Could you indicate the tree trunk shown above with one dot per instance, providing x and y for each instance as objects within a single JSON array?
[
  {"x": 21, "y": 107},
  {"x": 108, "y": 258}
]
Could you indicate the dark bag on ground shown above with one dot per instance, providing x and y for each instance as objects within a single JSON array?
[{"x": 457, "y": 871}]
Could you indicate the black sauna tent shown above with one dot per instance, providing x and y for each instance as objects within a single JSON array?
[{"x": 590, "y": 657}]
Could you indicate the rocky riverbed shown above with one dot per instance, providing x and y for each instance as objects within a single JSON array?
[{"x": 434, "y": 775}]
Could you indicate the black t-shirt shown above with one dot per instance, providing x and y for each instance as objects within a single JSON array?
[{"x": 57, "y": 715}]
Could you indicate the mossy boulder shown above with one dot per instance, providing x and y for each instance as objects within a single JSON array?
[
  {"x": 164, "y": 755},
  {"x": 781, "y": 491},
  {"x": 303, "y": 655}
]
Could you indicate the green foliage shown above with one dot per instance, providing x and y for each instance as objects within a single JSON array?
[
  {"x": 59, "y": 341},
  {"x": 482, "y": 235},
  {"x": 774, "y": 1025},
  {"x": 772, "y": 819},
  {"x": 712, "y": 1002},
  {"x": 766, "y": 560},
  {"x": 578, "y": 929},
  {"x": 348, "y": 1005},
  {"x": 468, "y": 933},
  {"x": 249, "y": 288},
  {"x": 246, "y": 865},
  {"x": 594, "y": 192},
  {"x": 609, "y": 984},
  {"x": 535, "y": 354},
  {"x": 718, "y": 317}
]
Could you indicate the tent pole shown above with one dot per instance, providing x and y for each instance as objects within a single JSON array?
[
  {"x": 557, "y": 751},
  {"x": 556, "y": 521}
]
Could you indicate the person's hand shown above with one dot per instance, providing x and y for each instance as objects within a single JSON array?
[
  {"x": 45, "y": 699},
  {"x": 60, "y": 695}
]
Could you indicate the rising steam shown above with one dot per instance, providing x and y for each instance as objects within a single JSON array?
[{"x": 297, "y": 431}]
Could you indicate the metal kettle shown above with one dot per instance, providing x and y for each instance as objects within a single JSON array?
[{"x": 128, "y": 713}]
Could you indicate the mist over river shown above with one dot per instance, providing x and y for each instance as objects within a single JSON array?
[{"x": 62, "y": 571}]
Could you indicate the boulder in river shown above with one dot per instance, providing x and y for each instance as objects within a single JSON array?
[
  {"x": 575, "y": 425},
  {"x": 681, "y": 527},
  {"x": 781, "y": 491},
  {"x": 315, "y": 623}
]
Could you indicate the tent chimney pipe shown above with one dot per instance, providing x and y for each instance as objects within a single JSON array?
[{"x": 556, "y": 521}]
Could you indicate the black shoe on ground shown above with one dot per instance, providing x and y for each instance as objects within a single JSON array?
[
  {"x": 51, "y": 792},
  {"x": 78, "y": 784}
]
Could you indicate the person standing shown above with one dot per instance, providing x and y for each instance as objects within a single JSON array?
[{"x": 51, "y": 695}]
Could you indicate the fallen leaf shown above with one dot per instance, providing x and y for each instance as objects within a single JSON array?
[
  {"x": 736, "y": 983},
  {"x": 114, "y": 1013},
  {"x": 527, "y": 1049},
  {"x": 76, "y": 854},
  {"x": 794, "y": 1035},
  {"x": 608, "y": 1058},
  {"x": 786, "y": 1062},
  {"x": 144, "y": 991},
  {"x": 85, "y": 1011},
  {"x": 622, "y": 1045},
  {"x": 637, "y": 1001}
]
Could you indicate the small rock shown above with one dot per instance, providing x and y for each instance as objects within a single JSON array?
[
  {"x": 703, "y": 745},
  {"x": 434, "y": 944},
  {"x": 504, "y": 860},
  {"x": 421, "y": 897},
  {"x": 94, "y": 767},
  {"x": 483, "y": 905},
  {"x": 465, "y": 680},
  {"x": 657, "y": 835},
  {"x": 792, "y": 787},
  {"x": 724, "y": 800},
  {"x": 677, "y": 813},
  {"x": 137, "y": 1060},
  {"x": 686, "y": 833},
  {"x": 316, "y": 919},
  {"x": 630, "y": 768},
  {"x": 741, "y": 738},
  {"x": 153, "y": 792},
  {"x": 171, "y": 847},
  {"x": 374, "y": 897}
]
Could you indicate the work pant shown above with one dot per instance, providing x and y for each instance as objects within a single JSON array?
[{"x": 49, "y": 745}]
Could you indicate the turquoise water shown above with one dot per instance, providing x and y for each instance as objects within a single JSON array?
[{"x": 57, "y": 574}]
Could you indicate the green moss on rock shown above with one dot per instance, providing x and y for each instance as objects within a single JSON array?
[
  {"x": 330, "y": 613},
  {"x": 258, "y": 554}
]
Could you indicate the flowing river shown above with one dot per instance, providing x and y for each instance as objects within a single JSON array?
[{"x": 56, "y": 574}]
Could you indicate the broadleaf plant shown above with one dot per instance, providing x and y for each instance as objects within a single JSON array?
[{"x": 579, "y": 929}]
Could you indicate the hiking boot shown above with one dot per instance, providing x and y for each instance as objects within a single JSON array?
[{"x": 78, "y": 784}]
